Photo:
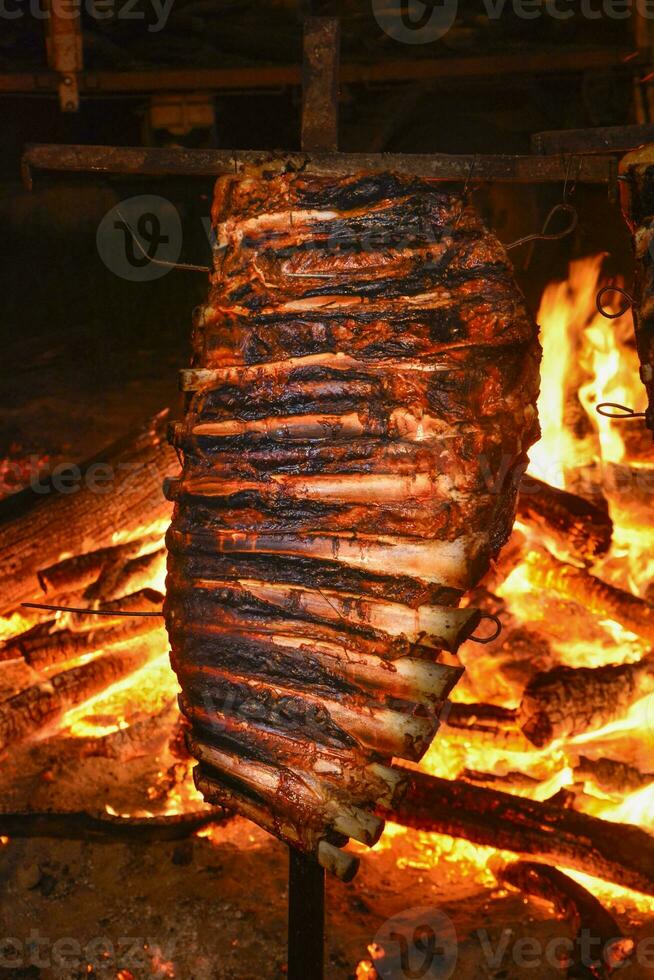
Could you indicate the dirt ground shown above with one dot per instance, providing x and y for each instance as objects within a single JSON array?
[{"x": 215, "y": 909}]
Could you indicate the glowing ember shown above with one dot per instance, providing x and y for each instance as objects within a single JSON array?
[
  {"x": 587, "y": 359},
  {"x": 584, "y": 349}
]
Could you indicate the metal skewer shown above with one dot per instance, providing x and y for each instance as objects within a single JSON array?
[{"x": 306, "y": 917}]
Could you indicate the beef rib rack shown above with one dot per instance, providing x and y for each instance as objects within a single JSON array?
[{"x": 361, "y": 399}]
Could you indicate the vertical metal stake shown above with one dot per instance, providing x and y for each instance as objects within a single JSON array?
[{"x": 306, "y": 917}]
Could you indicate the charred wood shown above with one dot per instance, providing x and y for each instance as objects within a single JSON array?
[
  {"x": 105, "y": 827},
  {"x": 588, "y": 917},
  {"x": 611, "y": 776},
  {"x": 620, "y": 853},
  {"x": 572, "y": 524},
  {"x": 41, "y": 647},
  {"x": 486, "y": 724},
  {"x": 119, "y": 492},
  {"x": 568, "y": 701},
  {"x": 124, "y": 579},
  {"x": 33, "y": 711},
  {"x": 509, "y": 780},
  {"x": 138, "y": 739},
  {"x": 634, "y": 614},
  {"x": 83, "y": 570}
]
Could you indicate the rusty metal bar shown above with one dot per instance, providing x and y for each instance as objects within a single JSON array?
[
  {"x": 306, "y": 917},
  {"x": 600, "y": 139},
  {"x": 63, "y": 40},
  {"x": 178, "y": 161},
  {"x": 320, "y": 84},
  {"x": 546, "y": 62}
]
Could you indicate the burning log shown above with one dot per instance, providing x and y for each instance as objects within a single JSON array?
[
  {"x": 570, "y": 523},
  {"x": 509, "y": 780},
  {"x": 82, "y": 571},
  {"x": 634, "y": 614},
  {"x": 106, "y": 827},
  {"x": 34, "y": 710},
  {"x": 488, "y": 724},
  {"x": 143, "y": 737},
  {"x": 612, "y": 777},
  {"x": 41, "y": 648},
  {"x": 117, "y": 579},
  {"x": 620, "y": 853},
  {"x": 568, "y": 701},
  {"x": 594, "y": 926},
  {"x": 119, "y": 493}
]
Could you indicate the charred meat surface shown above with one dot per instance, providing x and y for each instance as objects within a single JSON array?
[{"x": 360, "y": 403}]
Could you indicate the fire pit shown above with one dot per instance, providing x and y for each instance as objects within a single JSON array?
[
  {"x": 543, "y": 754},
  {"x": 522, "y": 841}
]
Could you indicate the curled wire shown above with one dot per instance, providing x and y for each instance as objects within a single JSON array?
[
  {"x": 187, "y": 266},
  {"x": 613, "y": 289},
  {"x": 493, "y": 636},
  {"x": 567, "y": 176},
  {"x": 464, "y": 193},
  {"x": 543, "y": 235},
  {"x": 87, "y": 612},
  {"x": 622, "y": 411}
]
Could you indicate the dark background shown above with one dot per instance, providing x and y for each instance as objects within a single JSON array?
[{"x": 86, "y": 354}]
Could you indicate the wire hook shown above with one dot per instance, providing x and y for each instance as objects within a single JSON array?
[
  {"x": 163, "y": 262},
  {"x": 622, "y": 411},
  {"x": 494, "y": 636},
  {"x": 567, "y": 175},
  {"x": 543, "y": 235},
  {"x": 613, "y": 289}
]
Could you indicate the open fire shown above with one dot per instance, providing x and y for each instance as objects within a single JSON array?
[
  {"x": 559, "y": 708},
  {"x": 553, "y": 616}
]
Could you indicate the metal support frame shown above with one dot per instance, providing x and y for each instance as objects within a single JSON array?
[
  {"x": 320, "y": 84},
  {"x": 581, "y": 168},
  {"x": 63, "y": 41},
  {"x": 457, "y": 69},
  {"x": 306, "y": 917}
]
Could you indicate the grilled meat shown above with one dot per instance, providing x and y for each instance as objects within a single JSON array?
[{"x": 359, "y": 406}]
